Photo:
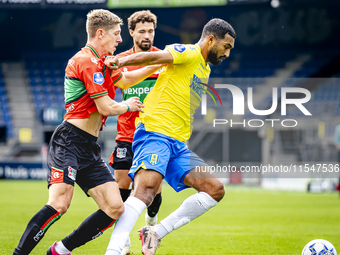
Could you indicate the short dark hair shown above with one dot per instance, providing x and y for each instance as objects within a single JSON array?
[
  {"x": 141, "y": 16},
  {"x": 218, "y": 28}
]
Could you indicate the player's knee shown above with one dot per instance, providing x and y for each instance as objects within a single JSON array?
[
  {"x": 149, "y": 198},
  {"x": 123, "y": 183},
  {"x": 61, "y": 208},
  {"x": 119, "y": 211},
  {"x": 115, "y": 211},
  {"x": 217, "y": 192},
  {"x": 146, "y": 195}
]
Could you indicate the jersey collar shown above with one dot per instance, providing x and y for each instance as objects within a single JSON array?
[{"x": 93, "y": 50}]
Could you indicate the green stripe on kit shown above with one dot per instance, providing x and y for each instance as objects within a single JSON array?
[
  {"x": 139, "y": 90},
  {"x": 73, "y": 89},
  {"x": 53, "y": 220},
  {"x": 99, "y": 94}
]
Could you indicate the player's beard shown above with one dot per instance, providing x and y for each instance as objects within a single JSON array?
[
  {"x": 144, "y": 47},
  {"x": 212, "y": 56}
]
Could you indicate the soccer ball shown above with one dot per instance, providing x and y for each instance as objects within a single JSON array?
[{"x": 319, "y": 247}]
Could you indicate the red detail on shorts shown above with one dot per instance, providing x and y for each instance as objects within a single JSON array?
[
  {"x": 111, "y": 161},
  {"x": 57, "y": 176}
]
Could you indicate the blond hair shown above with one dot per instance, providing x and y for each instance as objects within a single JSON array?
[
  {"x": 141, "y": 16},
  {"x": 100, "y": 19}
]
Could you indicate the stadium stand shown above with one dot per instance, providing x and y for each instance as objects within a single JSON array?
[
  {"x": 253, "y": 73},
  {"x": 46, "y": 78},
  {"x": 245, "y": 69},
  {"x": 282, "y": 69},
  {"x": 45, "y": 73},
  {"x": 5, "y": 116}
]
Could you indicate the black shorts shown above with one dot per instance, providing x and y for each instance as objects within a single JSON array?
[
  {"x": 75, "y": 156},
  {"x": 121, "y": 158}
]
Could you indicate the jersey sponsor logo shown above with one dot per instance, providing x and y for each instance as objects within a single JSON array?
[
  {"x": 72, "y": 173},
  {"x": 153, "y": 159},
  {"x": 98, "y": 78},
  {"x": 70, "y": 108},
  {"x": 180, "y": 48},
  {"x": 121, "y": 152},
  {"x": 70, "y": 62},
  {"x": 197, "y": 86},
  {"x": 94, "y": 60},
  {"x": 57, "y": 175},
  {"x": 138, "y": 91}
]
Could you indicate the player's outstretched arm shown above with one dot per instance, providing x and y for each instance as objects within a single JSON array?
[
  {"x": 140, "y": 59},
  {"x": 108, "y": 107},
  {"x": 133, "y": 77}
]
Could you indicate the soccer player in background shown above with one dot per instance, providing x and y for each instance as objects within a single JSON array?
[
  {"x": 160, "y": 138},
  {"x": 142, "y": 26},
  {"x": 73, "y": 153},
  {"x": 336, "y": 141}
]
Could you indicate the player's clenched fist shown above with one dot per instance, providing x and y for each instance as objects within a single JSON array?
[
  {"x": 134, "y": 104},
  {"x": 112, "y": 62}
]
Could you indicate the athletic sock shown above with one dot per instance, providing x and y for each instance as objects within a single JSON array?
[
  {"x": 92, "y": 227},
  {"x": 61, "y": 249},
  {"x": 36, "y": 229},
  {"x": 154, "y": 207},
  {"x": 125, "y": 193},
  {"x": 193, "y": 207},
  {"x": 133, "y": 208}
]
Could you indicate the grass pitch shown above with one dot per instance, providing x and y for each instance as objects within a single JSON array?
[{"x": 247, "y": 221}]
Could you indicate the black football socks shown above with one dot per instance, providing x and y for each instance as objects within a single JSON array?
[
  {"x": 125, "y": 193},
  {"x": 92, "y": 227},
  {"x": 154, "y": 207},
  {"x": 36, "y": 229}
]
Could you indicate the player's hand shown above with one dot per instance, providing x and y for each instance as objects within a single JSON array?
[
  {"x": 135, "y": 104},
  {"x": 112, "y": 62}
]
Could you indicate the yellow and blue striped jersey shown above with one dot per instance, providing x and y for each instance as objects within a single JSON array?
[{"x": 171, "y": 104}]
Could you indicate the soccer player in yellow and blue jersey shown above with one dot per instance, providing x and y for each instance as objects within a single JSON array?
[{"x": 159, "y": 144}]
